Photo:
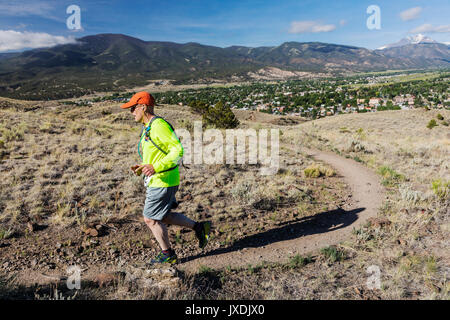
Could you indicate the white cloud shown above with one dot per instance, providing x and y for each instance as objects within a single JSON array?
[
  {"x": 24, "y": 8},
  {"x": 410, "y": 14},
  {"x": 16, "y": 40},
  {"x": 310, "y": 26},
  {"x": 430, "y": 29}
]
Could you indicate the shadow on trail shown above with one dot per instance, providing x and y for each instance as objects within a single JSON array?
[{"x": 320, "y": 223}]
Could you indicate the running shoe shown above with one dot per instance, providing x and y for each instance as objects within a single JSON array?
[{"x": 202, "y": 230}]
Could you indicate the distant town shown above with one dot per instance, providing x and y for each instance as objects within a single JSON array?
[{"x": 319, "y": 97}]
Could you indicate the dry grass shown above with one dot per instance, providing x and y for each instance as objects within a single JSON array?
[
  {"x": 413, "y": 162},
  {"x": 68, "y": 167}
]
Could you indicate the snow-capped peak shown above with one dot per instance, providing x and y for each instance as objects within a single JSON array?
[
  {"x": 415, "y": 39},
  {"x": 420, "y": 38}
]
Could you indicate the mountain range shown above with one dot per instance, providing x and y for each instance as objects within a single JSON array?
[{"x": 115, "y": 61}]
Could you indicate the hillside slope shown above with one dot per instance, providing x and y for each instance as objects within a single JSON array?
[{"x": 65, "y": 171}]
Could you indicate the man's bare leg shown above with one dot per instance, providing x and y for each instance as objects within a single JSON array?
[
  {"x": 159, "y": 230},
  {"x": 201, "y": 228},
  {"x": 178, "y": 219}
]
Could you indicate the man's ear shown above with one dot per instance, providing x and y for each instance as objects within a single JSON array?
[{"x": 150, "y": 109}]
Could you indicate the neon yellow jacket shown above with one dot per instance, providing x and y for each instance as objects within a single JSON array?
[{"x": 162, "y": 134}]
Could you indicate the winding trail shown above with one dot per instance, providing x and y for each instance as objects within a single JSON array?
[{"x": 318, "y": 231}]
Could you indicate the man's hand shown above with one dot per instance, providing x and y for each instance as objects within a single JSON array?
[
  {"x": 137, "y": 169},
  {"x": 147, "y": 169}
]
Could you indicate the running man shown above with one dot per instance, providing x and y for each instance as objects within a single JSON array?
[{"x": 161, "y": 150}]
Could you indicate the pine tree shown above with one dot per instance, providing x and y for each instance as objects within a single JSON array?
[
  {"x": 220, "y": 116},
  {"x": 199, "y": 107}
]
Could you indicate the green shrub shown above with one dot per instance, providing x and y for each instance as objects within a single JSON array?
[
  {"x": 6, "y": 233},
  {"x": 332, "y": 253},
  {"x": 299, "y": 261},
  {"x": 432, "y": 124},
  {"x": 205, "y": 270},
  {"x": 315, "y": 171},
  {"x": 439, "y": 116},
  {"x": 360, "y": 134},
  {"x": 441, "y": 189},
  {"x": 391, "y": 177},
  {"x": 312, "y": 172},
  {"x": 358, "y": 159}
]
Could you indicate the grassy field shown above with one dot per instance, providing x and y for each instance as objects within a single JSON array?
[{"x": 65, "y": 170}]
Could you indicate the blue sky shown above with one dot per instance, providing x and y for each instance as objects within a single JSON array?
[{"x": 224, "y": 23}]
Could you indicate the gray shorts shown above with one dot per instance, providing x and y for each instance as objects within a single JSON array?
[{"x": 158, "y": 202}]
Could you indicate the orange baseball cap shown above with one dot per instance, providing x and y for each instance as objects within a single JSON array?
[{"x": 139, "y": 98}]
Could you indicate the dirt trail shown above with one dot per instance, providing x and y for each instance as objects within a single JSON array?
[{"x": 321, "y": 230}]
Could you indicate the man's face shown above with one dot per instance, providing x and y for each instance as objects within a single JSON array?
[{"x": 138, "y": 112}]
